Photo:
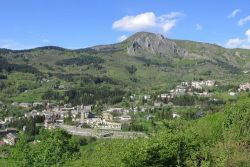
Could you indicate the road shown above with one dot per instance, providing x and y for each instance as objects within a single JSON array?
[{"x": 99, "y": 133}]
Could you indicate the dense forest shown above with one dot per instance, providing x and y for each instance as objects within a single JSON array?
[{"x": 85, "y": 60}]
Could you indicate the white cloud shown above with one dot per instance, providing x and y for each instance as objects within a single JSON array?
[
  {"x": 243, "y": 21},
  {"x": 239, "y": 43},
  {"x": 234, "y": 13},
  {"x": 135, "y": 23},
  {"x": 247, "y": 33},
  {"x": 198, "y": 27},
  {"x": 246, "y": 46},
  {"x": 234, "y": 43},
  {"x": 122, "y": 38},
  {"x": 148, "y": 21},
  {"x": 168, "y": 25},
  {"x": 171, "y": 15}
]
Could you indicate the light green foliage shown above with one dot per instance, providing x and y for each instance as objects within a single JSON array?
[
  {"x": 52, "y": 148},
  {"x": 105, "y": 153}
]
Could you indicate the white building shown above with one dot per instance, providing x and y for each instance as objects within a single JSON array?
[
  {"x": 175, "y": 115},
  {"x": 232, "y": 93},
  {"x": 33, "y": 113},
  {"x": 164, "y": 96},
  {"x": 244, "y": 87},
  {"x": 125, "y": 118},
  {"x": 10, "y": 139},
  {"x": 146, "y": 97},
  {"x": 25, "y": 105},
  {"x": 35, "y": 104},
  {"x": 196, "y": 85},
  {"x": 209, "y": 83},
  {"x": 118, "y": 110}
]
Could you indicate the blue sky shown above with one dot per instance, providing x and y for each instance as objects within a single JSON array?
[{"x": 83, "y": 23}]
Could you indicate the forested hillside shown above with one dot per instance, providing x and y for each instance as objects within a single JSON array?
[{"x": 28, "y": 75}]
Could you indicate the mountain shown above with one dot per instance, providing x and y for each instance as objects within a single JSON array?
[
  {"x": 156, "y": 44},
  {"x": 149, "y": 44},
  {"x": 145, "y": 62}
]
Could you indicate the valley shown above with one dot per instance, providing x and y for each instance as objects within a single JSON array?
[{"x": 145, "y": 101}]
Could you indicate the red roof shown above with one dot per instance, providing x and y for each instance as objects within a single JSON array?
[{"x": 2, "y": 143}]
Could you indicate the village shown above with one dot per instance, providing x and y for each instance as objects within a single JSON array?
[{"x": 111, "y": 120}]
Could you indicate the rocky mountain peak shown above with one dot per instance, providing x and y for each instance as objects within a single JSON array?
[{"x": 150, "y": 43}]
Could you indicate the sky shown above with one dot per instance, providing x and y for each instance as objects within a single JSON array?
[{"x": 83, "y": 23}]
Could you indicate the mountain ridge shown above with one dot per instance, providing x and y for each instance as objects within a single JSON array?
[
  {"x": 151, "y": 46},
  {"x": 125, "y": 65},
  {"x": 114, "y": 44}
]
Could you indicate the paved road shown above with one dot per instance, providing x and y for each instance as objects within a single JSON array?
[{"x": 98, "y": 133}]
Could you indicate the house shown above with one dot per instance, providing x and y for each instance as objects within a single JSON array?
[
  {"x": 8, "y": 119},
  {"x": 148, "y": 117},
  {"x": 134, "y": 109},
  {"x": 232, "y": 93},
  {"x": 50, "y": 105},
  {"x": 47, "y": 114},
  {"x": 196, "y": 85},
  {"x": 75, "y": 113},
  {"x": 204, "y": 94},
  {"x": 63, "y": 114},
  {"x": 118, "y": 110},
  {"x": 209, "y": 83},
  {"x": 109, "y": 125},
  {"x": 88, "y": 108},
  {"x": 33, "y": 113},
  {"x": 3, "y": 124},
  {"x": 49, "y": 124},
  {"x": 245, "y": 72},
  {"x": 100, "y": 123},
  {"x": 85, "y": 113},
  {"x": 184, "y": 84},
  {"x": 14, "y": 104},
  {"x": 35, "y": 104},
  {"x": 244, "y": 87},
  {"x": 163, "y": 96},
  {"x": 157, "y": 104},
  {"x": 3, "y": 132},
  {"x": 10, "y": 139},
  {"x": 45, "y": 80},
  {"x": 107, "y": 116},
  {"x": 143, "y": 109},
  {"x": 2, "y": 143},
  {"x": 146, "y": 97},
  {"x": 25, "y": 105},
  {"x": 61, "y": 87},
  {"x": 125, "y": 118},
  {"x": 180, "y": 90},
  {"x": 199, "y": 85}
]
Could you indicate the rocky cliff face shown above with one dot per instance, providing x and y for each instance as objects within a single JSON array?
[
  {"x": 146, "y": 44},
  {"x": 153, "y": 44}
]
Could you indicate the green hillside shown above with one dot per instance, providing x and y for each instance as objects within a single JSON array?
[{"x": 144, "y": 63}]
